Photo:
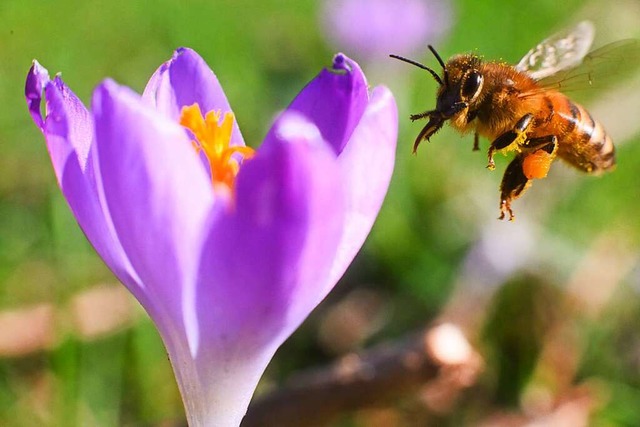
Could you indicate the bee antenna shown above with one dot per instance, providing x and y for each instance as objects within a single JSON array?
[
  {"x": 444, "y": 68},
  {"x": 419, "y": 65}
]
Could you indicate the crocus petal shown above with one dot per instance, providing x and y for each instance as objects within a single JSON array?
[
  {"x": 364, "y": 135},
  {"x": 184, "y": 80},
  {"x": 366, "y": 166},
  {"x": 264, "y": 263},
  {"x": 68, "y": 129},
  {"x": 335, "y": 101},
  {"x": 289, "y": 205},
  {"x": 157, "y": 193},
  {"x": 37, "y": 78},
  {"x": 66, "y": 117}
]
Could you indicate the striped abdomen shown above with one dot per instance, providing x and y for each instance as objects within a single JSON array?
[{"x": 582, "y": 141}]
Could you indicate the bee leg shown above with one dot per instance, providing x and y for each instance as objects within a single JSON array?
[
  {"x": 547, "y": 143},
  {"x": 514, "y": 183},
  {"x": 419, "y": 116},
  {"x": 476, "y": 142},
  {"x": 518, "y": 135},
  {"x": 433, "y": 126},
  {"x": 538, "y": 154}
]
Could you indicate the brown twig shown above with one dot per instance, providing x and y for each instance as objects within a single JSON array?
[{"x": 376, "y": 377}]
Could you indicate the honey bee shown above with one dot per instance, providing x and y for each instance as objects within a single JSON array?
[{"x": 521, "y": 108}]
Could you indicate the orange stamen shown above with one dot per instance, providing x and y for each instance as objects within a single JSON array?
[{"x": 213, "y": 136}]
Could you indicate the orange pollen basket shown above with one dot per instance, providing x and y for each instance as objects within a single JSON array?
[
  {"x": 537, "y": 165},
  {"x": 213, "y": 136}
]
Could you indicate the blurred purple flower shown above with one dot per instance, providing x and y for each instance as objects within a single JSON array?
[
  {"x": 375, "y": 28},
  {"x": 227, "y": 254}
]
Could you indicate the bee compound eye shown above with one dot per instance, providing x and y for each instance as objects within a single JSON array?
[{"x": 472, "y": 85}]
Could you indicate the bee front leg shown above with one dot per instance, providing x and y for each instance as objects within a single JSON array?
[
  {"x": 419, "y": 116},
  {"x": 514, "y": 183},
  {"x": 476, "y": 142},
  {"x": 518, "y": 136}
]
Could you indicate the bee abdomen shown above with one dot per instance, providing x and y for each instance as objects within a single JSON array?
[{"x": 585, "y": 143}]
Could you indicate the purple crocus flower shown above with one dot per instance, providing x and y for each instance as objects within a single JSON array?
[
  {"x": 375, "y": 28},
  {"x": 227, "y": 250}
]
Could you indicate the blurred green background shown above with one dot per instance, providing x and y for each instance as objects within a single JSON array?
[{"x": 550, "y": 301}]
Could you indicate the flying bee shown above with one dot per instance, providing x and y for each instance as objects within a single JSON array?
[{"x": 521, "y": 108}]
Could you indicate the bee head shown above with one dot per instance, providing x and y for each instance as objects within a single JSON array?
[
  {"x": 460, "y": 87},
  {"x": 465, "y": 83}
]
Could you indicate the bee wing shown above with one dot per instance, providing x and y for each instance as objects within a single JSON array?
[
  {"x": 561, "y": 51},
  {"x": 599, "y": 69}
]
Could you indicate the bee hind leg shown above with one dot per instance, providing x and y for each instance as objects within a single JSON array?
[
  {"x": 517, "y": 135},
  {"x": 538, "y": 154},
  {"x": 514, "y": 183},
  {"x": 547, "y": 143}
]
